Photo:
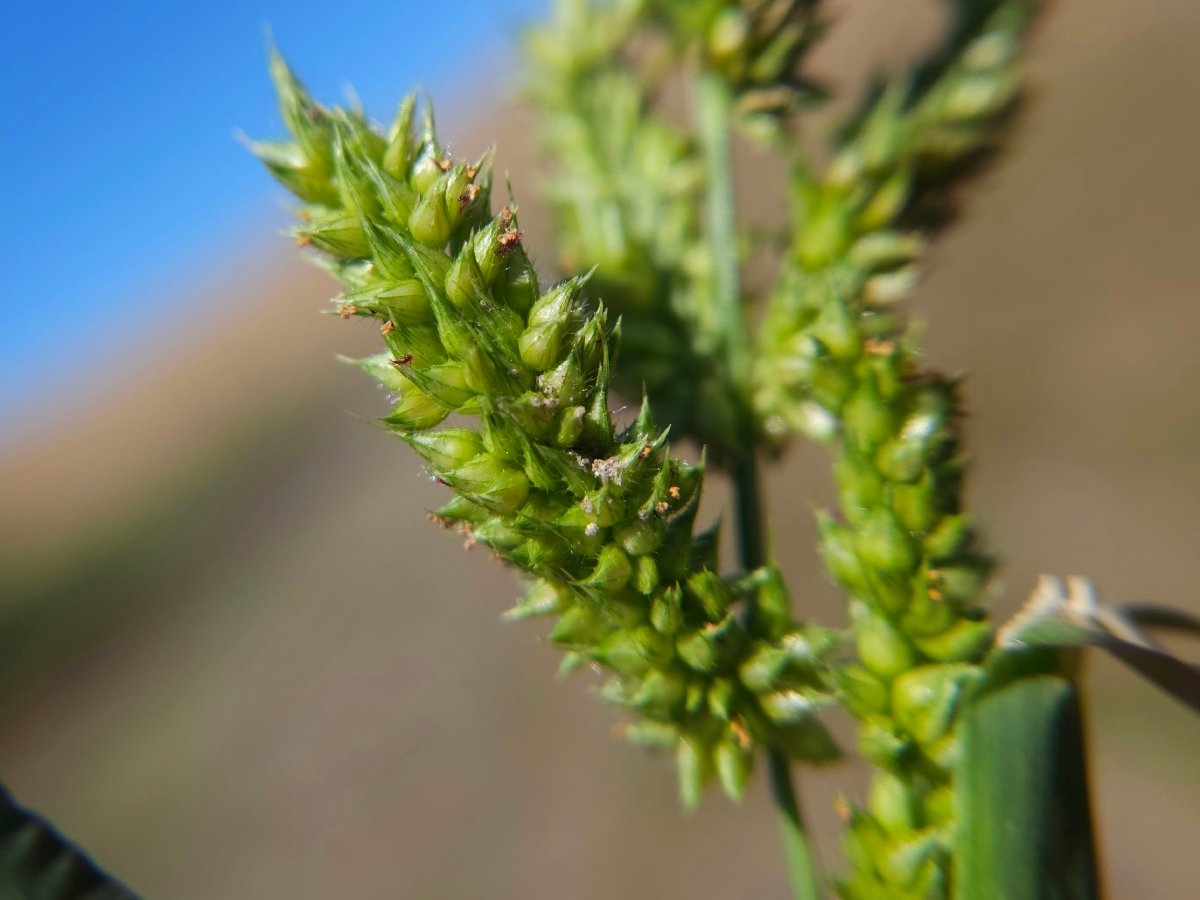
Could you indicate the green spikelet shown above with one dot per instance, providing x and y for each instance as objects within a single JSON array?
[
  {"x": 600, "y": 521},
  {"x": 838, "y": 365}
]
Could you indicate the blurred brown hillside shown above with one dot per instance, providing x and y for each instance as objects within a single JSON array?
[{"x": 236, "y": 661}]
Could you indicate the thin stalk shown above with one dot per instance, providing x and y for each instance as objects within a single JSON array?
[
  {"x": 797, "y": 846},
  {"x": 752, "y": 543},
  {"x": 714, "y": 113}
]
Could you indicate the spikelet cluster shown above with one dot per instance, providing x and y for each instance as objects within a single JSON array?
[
  {"x": 755, "y": 45},
  {"x": 627, "y": 193},
  {"x": 861, "y": 225},
  {"x": 628, "y": 190},
  {"x": 600, "y": 519},
  {"x": 839, "y": 366}
]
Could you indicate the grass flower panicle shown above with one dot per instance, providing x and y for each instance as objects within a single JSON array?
[{"x": 600, "y": 519}]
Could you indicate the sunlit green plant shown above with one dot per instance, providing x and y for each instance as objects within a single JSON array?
[
  {"x": 502, "y": 383},
  {"x": 501, "y": 376}
]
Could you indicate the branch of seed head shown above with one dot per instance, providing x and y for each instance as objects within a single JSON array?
[{"x": 862, "y": 225}]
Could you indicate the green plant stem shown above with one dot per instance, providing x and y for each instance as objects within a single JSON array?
[
  {"x": 752, "y": 544},
  {"x": 714, "y": 112},
  {"x": 797, "y": 846},
  {"x": 714, "y": 116}
]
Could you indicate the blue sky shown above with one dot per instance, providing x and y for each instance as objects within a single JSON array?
[{"x": 123, "y": 175}]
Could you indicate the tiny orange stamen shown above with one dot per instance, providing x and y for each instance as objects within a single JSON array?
[
  {"x": 467, "y": 197},
  {"x": 508, "y": 240}
]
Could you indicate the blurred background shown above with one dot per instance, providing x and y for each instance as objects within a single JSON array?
[{"x": 236, "y": 661}]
